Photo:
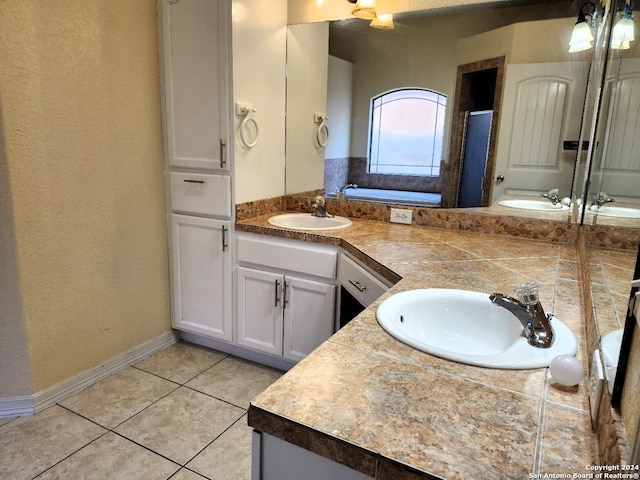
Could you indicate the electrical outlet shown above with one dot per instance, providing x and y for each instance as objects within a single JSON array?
[
  {"x": 399, "y": 215},
  {"x": 596, "y": 383}
]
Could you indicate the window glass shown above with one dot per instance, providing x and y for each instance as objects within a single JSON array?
[{"x": 406, "y": 132}]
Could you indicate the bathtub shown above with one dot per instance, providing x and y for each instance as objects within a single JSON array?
[{"x": 392, "y": 196}]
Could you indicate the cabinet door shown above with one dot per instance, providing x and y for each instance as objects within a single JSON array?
[
  {"x": 259, "y": 310},
  {"x": 201, "y": 276},
  {"x": 308, "y": 316},
  {"x": 196, "y": 84}
]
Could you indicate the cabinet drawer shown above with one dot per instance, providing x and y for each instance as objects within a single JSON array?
[
  {"x": 290, "y": 256},
  {"x": 359, "y": 282},
  {"x": 201, "y": 193}
]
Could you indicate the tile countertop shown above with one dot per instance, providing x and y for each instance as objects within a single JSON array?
[{"x": 374, "y": 404}]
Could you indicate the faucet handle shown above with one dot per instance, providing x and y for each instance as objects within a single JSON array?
[{"x": 528, "y": 293}]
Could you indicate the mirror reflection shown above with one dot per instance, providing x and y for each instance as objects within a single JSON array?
[
  {"x": 514, "y": 135},
  {"x": 613, "y": 196},
  {"x": 500, "y": 77}
]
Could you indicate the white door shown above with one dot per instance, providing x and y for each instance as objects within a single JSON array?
[
  {"x": 196, "y": 82},
  {"x": 201, "y": 276},
  {"x": 618, "y": 155},
  {"x": 542, "y": 107},
  {"x": 308, "y": 316},
  {"x": 259, "y": 310}
]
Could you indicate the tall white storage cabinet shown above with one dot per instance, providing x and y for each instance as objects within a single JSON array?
[{"x": 197, "y": 117}]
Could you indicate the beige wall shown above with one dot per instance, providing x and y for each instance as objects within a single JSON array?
[
  {"x": 82, "y": 134},
  {"x": 15, "y": 379}
]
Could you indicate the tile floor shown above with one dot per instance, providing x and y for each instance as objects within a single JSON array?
[{"x": 180, "y": 413}]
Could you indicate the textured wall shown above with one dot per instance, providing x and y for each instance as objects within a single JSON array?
[
  {"x": 15, "y": 378},
  {"x": 81, "y": 112}
]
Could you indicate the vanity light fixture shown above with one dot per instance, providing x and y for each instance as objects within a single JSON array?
[
  {"x": 582, "y": 37},
  {"x": 623, "y": 30},
  {"x": 365, "y": 9},
  {"x": 383, "y": 20}
]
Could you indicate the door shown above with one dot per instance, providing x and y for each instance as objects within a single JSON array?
[
  {"x": 474, "y": 158},
  {"x": 542, "y": 107},
  {"x": 619, "y": 157},
  {"x": 201, "y": 276},
  {"x": 259, "y": 310},
  {"x": 196, "y": 82},
  {"x": 308, "y": 316}
]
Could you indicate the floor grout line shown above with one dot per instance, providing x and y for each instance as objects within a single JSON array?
[{"x": 233, "y": 421}]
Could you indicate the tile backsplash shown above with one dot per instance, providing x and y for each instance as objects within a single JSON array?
[{"x": 476, "y": 220}]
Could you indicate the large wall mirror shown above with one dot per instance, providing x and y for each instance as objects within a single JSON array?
[{"x": 505, "y": 61}]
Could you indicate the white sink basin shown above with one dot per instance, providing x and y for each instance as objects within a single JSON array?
[
  {"x": 526, "y": 204},
  {"x": 306, "y": 221},
  {"x": 467, "y": 327},
  {"x": 620, "y": 212}
]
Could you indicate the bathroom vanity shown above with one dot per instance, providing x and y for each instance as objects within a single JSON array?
[{"x": 369, "y": 404}]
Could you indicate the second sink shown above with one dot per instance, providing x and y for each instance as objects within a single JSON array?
[
  {"x": 467, "y": 327},
  {"x": 306, "y": 221}
]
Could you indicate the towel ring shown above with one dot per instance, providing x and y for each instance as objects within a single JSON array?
[
  {"x": 245, "y": 131},
  {"x": 322, "y": 133}
]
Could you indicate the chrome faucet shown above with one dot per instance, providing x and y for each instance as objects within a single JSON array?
[
  {"x": 536, "y": 323},
  {"x": 341, "y": 195},
  {"x": 601, "y": 199},
  {"x": 348, "y": 185},
  {"x": 552, "y": 196},
  {"x": 319, "y": 208}
]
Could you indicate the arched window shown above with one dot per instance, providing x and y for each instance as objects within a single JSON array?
[{"x": 406, "y": 132}]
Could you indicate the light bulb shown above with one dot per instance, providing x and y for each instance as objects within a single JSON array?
[
  {"x": 623, "y": 33},
  {"x": 581, "y": 37},
  {"x": 566, "y": 370}
]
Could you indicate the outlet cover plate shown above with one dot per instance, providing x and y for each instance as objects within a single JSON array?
[{"x": 401, "y": 215}]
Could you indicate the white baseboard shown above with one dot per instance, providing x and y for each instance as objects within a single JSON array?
[
  {"x": 28, "y": 405},
  {"x": 17, "y": 406}
]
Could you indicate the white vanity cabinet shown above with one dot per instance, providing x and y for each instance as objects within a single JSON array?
[
  {"x": 196, "y": 61},
  {"x": 283, "y": 315},
  {"x": 285, "y": 295},
  {"x": 201, "y": 276}
]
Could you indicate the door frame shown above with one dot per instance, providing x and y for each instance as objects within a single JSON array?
[{"x": 451, "y": 172}]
